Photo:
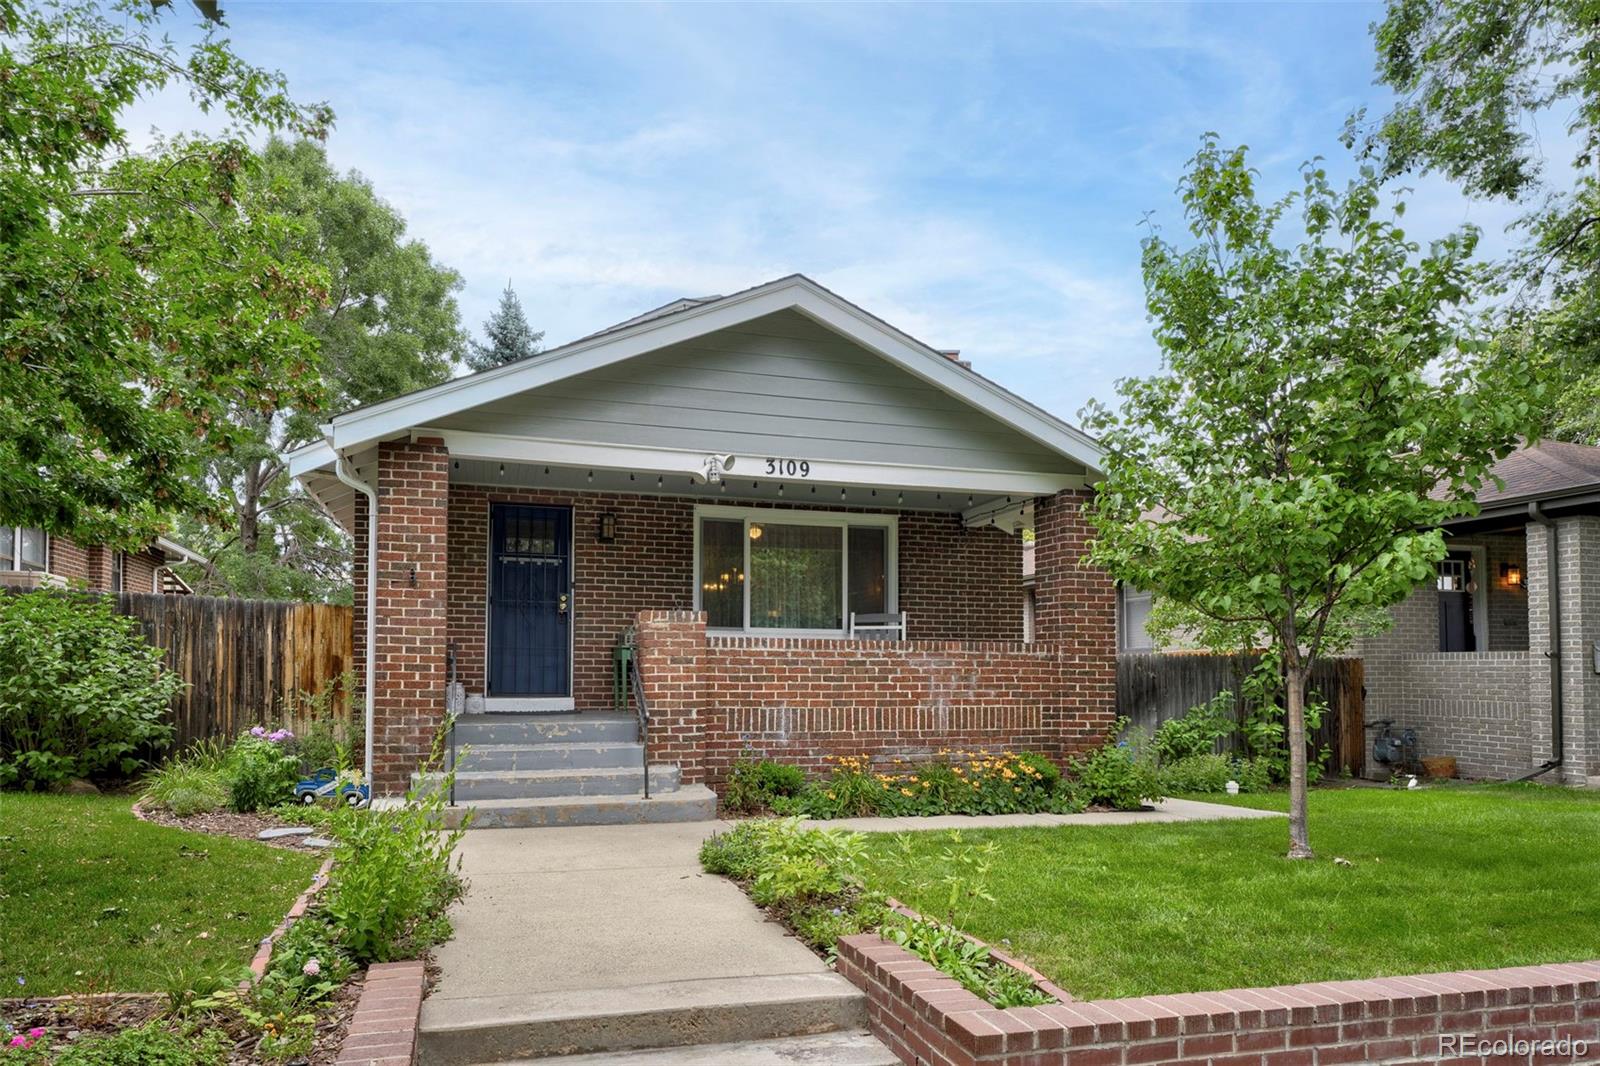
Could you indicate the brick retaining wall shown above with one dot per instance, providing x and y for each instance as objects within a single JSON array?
[{"x": 928, "y": 1018}]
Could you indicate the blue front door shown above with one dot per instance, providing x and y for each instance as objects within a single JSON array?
[{"x": 530, "y": 601}]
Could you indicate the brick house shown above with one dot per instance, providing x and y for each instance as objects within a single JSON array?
[
  {"x": 32, "y": 558},
  {"x": 1478, "y": 658},
  {"x": 807, "y": 522}
]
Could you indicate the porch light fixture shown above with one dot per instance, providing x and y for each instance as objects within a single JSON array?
[
  {"x": 1511, "y": 574},
  {"x": 755, "y": 531},
  {"x": 606, "y": 532}
]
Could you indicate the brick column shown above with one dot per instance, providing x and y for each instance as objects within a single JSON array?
[
  {"x": 1579, "y": 553},
  {"x": 1075, "y": 610},
  {"x": 409, "y": 687},
  {"x": 672, "y": 659}
]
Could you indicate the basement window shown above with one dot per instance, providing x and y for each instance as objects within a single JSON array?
[{"x": 764, "y": 570}]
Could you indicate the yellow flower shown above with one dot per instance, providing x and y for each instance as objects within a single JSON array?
[
  {"x": 905, "y": 792},
  {"x": 927, "y": 784}
]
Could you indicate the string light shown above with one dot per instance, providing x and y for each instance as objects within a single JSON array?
[
  {"x": 502, "y": 470},
  {"x": 591, "y": 477},
  {"x": 780, "y": 490},
  {"x": 900, "y": 498},
  {"x": 658, "y": 481}
]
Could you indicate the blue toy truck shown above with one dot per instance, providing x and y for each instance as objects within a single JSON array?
[{"x": 326, "y": 783}]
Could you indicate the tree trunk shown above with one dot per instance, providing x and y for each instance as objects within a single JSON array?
[{"x": 1295, "y": 698}]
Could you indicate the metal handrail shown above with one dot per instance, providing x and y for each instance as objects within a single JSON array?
[{"x": 641, "y": 708}]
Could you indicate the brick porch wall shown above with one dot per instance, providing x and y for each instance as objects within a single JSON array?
[{"x": 955, "y": 583}]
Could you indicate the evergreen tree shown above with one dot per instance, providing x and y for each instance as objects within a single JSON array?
[{"x": 510, "y": 337}]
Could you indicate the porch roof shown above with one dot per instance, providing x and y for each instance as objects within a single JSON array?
[{"x": 969, "y": 446}]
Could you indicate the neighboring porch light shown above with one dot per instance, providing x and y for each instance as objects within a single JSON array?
[
  {"x": 755, "y": 532},
  {"x": 1511, "y": 573},
  {"x": 607, "y": 531}
]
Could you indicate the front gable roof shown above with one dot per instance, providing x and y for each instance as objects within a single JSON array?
[{"x": 686, "y": 320}]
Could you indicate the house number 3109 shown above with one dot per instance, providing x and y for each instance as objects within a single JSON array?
[{"x": 788, "y": 468}]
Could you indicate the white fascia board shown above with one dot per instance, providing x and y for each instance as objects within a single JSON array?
[
  {"x": 583, "y": 454},
  {"x": 360, "y": 427},
  {"x": 308, "y": 457},
  {"x": 172, "y": 549}
]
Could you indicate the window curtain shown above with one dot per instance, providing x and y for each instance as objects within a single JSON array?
[{"x": 796, "y": 575}]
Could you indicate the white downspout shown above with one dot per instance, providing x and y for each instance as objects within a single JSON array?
[{"x": 342, "y": 472}]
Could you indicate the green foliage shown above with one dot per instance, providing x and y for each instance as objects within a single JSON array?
[
  {"x": 151, "y": 1044},
  {"x": 81, "y": 692},
  {"x": 1475, "y": 79},
  {"x": 1118, "y": 774},
  {"x": 185, "y": 788},
  {"x": 393, "y": 878},
  {"x": 753, "y": 785},
  {"x": 1207, "y": 772},
  {"x": 971, "y": 963},
  {"x": 1280, "y": 479},
  {"x": 390, "y": 326},
  {"x": 260, "y": 771},
  {"x": 136, "y": 294},
  {"x": 509, "y": 335},
  {"x": 1196, "y": 731}
]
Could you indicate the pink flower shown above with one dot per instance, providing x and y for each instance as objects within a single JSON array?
[
  {"x": 311, "y": 968},
  {"x": 19, "y": 1041},
  {"x": 36, "y": 1032}
]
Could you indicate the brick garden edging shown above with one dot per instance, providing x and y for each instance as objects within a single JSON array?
[
  {"x": 383, "y": 1030},
  {"x": 927, "y": 1018}
]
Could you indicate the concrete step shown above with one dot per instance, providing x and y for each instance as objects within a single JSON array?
[
  {"x": 587, "y": 728},
  {"x": 855, "y": 1047},
  {"x": 690, "y": 803},
  {"x": 550, "y": 784},
  {"x": 709, "y": 1011},
  {"x": 550, "y": 756}
]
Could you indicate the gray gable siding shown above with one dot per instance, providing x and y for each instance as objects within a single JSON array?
[{"x": 780, "y": 384}]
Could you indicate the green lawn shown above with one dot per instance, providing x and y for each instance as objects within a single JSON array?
[
  {"x": 92, "y": 899},
  {"x": 1443, "y": 878}
]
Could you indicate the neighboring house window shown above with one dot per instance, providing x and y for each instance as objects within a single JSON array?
[
  {"x": 1133, "y": 619},
  {"x": 118, "y": 563},
  {"x": 1458, "y": 609},
  {"x": 22, "y": 548},
  {"x": 799, "y": 571}
]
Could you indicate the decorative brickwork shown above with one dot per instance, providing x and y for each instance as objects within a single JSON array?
[
  {"x": 409, "y": 687},
  {"x": 928, "y": 1019},
  {"x": 383, "y": 1030}
]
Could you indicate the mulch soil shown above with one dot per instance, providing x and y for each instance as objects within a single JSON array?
[{"x": 221, "y": 823}]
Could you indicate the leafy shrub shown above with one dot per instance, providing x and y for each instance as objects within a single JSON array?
[
  {"x": 1255, "y": 775},
  {"x": 1198, "y": 773},
  {"x": 393, "y": 879},
  {"x": 1196, "y": 731},
  {"x": 752, "y": 786},
  {"x": 324, "y": 732},
  {"x": 81, "y": 692},
  {"x": 1118, "y": 774},
  {"x": 260, "y": 770}
]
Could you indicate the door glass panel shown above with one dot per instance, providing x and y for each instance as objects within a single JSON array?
[
  {"x": 869, "y": 578},
  {"x": 722, "y": 573},
  {"x": 796, "y": 574}
]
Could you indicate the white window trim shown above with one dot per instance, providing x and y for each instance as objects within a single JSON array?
[
  {"x": 1124, "y": 629},
  {"x": 15, "y": 562},
  {"x": 783, "y": 516}
]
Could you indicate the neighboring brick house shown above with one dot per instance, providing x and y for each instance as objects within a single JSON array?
[
  {"x": 1476, "y": 658},
  {"x": 31, "y": 558},
  {"x": 808, "y": 521}
]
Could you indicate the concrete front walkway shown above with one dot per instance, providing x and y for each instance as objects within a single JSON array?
[{"x": 1168, "y": 810}]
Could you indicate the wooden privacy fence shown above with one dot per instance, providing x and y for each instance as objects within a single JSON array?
[
  {"x": 245, "y": 661},
  {"x": 1155, "y": 686}
]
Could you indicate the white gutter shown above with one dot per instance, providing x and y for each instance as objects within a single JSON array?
[{"x": 342, "y": 472}]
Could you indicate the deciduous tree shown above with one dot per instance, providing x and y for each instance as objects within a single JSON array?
[{"x": 1323, "y": 406}]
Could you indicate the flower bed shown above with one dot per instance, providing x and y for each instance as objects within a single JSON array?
[{"x": 1116, "y": 775}]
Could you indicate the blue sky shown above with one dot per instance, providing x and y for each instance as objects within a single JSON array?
[{"x": 977, "y": 174}]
